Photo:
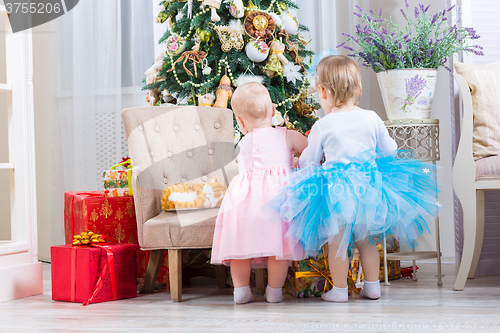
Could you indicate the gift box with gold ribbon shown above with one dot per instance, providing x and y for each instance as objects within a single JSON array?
[
  {"x": 393, "y": 266},
  {"x": 311, "y": 277},
  {"x": 93, "y": 270},
  {"x": 117, "y": 182},
  {"x": 110, "y": 216}
]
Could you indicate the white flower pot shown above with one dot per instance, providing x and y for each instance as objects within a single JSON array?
[{"x": 408, "y": 93}]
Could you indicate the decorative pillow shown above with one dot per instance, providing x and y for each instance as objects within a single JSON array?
[
  {"x": 488, "y": 168},
  {"x": 193, "y": 195},
  {"x": 484, "y": 84}
]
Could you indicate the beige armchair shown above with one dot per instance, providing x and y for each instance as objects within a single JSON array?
[
  {"x": 169, "y": 145},
  {"x": 476, "y": 170}
]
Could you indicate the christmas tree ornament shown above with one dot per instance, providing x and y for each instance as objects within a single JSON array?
[
  {"x": 175, "y": 45},
  {"x": 205, "y": 100},
  {"x": 153, "y": 97},
  {"x": 236, "y": 8},
  {"x": 205, "y": 69},
  {"x": 245, "y": 78},
  {"x": 291, "y": 23},
  {"x": 257, "y": 50},
  {"x": 292, "y": 72},
  {"x": 153, "y": 72},
  {"x": 251, "y": 8},
  {"x": 195, "y": 55},
  {"x": 259, "y": 25},
  {"x": 205, "y": 36},
  {"x": 166, "y": 97},
  {"x": 278, "y": 119},
  {"x": 301, "y": 107},
  {"x": 277, "y": 60},
  {"x": 231, "y": 36},
  {"x": 215, "y": 4},
  {"x": 224, "y": 92},
  {"x": 278, "y": 21}
]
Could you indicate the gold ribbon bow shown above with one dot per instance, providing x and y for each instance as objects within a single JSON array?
[
  {"x": 321, "y": 269},
  {"x": 87, "y": 238}
]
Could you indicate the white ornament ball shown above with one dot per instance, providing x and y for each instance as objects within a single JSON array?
[
  {"x": 278, "y": 21},
  {"x": 236, "y": 8},
  {"x": 291, "y": 23},
  {"x": 257, "y": 50},
  {"x": 175, "y": 45},
  {"x": 207, "y": 70}
]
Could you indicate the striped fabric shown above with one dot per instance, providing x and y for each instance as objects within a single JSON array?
[{"x": 488, "y": 167}]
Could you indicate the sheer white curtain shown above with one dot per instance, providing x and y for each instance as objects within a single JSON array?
[
  {"x": 100, "y": 51},
  {"x": 327, "y": 20}
]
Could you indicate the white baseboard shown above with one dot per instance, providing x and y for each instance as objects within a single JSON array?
[{"x": 20, "y": 281}]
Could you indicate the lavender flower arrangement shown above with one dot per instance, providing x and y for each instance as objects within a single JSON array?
[{"x": 426, "y": 41}]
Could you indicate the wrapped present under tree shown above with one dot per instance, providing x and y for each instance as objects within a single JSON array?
[
  {"x": 93, "y": 273},
  {"x": 110, "y": 216},
  {"x": 311, "y": 277}
]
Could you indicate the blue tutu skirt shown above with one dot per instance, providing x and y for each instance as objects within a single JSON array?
[{"x": 363, "y": 199}]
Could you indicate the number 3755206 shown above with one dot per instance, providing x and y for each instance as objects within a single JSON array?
[{"x": 33, "y": 8}]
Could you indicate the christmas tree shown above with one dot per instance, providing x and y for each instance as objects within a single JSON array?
[{"x": 212, "y": 45}]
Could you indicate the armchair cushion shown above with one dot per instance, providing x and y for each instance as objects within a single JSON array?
[
  {"x": 484, "y": 84},
  {"x": 488, "y": 168},
  {"x": 189, "y": 229}
]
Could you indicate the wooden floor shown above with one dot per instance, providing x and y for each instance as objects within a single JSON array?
[{"x": 405, "y": 306}]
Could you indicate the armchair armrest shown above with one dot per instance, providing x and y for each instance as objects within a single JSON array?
[{"x": 147, "y": 199}]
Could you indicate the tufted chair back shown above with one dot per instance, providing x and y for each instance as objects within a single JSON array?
[{"x": 170, "y": 145}]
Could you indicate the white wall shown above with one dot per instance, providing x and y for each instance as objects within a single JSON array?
[
  {"x": 328, "y": 19},
  {"x": 43, "y": 132}
]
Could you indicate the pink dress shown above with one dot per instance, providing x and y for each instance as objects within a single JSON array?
[{"x": 245, "y": 228}]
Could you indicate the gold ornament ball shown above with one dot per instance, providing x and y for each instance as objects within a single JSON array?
[
  {"x": 205, "y": 36},
  {"x": 283, "y": 6},
  {"x": 260, "y": 22}
]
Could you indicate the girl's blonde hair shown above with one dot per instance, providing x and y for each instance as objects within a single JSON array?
[{"x": 340, "y": 76}]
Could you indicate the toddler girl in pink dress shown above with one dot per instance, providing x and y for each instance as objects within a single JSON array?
[{"x": 246, "y": 234}]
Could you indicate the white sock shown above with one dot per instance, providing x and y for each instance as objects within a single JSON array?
[
  {"x": 371, "y": 290},
  {"x": 274, "y": 295},
  {"x": 338, "y": 295},
  {"x": 242, "y": 295}
]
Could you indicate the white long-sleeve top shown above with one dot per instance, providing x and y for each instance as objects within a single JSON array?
[{"x": 342, "y": 136}]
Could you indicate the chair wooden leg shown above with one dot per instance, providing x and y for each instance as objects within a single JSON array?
[
  {"x": 155, "y": 259},
  {"x": 479, "y": 233},
  {"x": 260, "y": 281},
  {"x": 175, "y": 274},
  {"x": 221, "y": 275},
  {"x": 469, "y": 213}
]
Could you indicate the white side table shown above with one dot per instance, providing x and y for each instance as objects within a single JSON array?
[{"x": 420, "y": 139}]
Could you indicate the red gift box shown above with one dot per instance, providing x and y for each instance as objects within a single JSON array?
[
  {"x": 110, "y": 216},
  {"x": 93, "y": 274}
]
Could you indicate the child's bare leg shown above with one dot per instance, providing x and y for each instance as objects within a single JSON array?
[
  {"x": 338, "y": 270},
  {"x": 240, "y": 273},
  {"x": 370, "y": 261},
  {"x": 276, "y": 276}
]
